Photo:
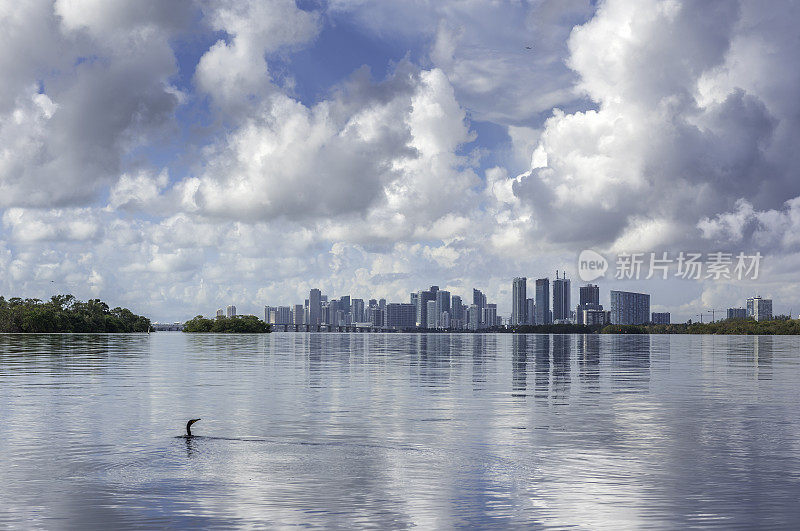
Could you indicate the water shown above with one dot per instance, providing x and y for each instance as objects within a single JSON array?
[{"x": 395, "y": 430}]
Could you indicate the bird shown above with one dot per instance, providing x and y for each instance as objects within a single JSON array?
[
  {"x": 528, "y": 48},
  {"x": 189, "y": 426}
]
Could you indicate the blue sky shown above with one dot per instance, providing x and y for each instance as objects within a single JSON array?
[{"x": 177, "y": 157}]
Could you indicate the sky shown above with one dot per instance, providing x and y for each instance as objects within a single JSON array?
[{"x": 176, "y": 157}]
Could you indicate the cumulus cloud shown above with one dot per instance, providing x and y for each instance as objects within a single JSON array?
[
  {"x": 680, "y": 130},
  {"x": 97, "y": 86}
]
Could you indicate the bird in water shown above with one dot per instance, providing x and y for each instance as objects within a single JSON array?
[{"x": 189, "y": 427}]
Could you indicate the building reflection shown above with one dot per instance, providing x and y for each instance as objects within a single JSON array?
[
  {"x": 562, "y": 348},
  {"x": 519, "y": 365},
  {"x": 588, "y": 352},
  {"x": 630, "y": 362},
  {"x": 541, "y": 352}
]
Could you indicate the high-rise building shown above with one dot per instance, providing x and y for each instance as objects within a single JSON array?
[
  {"x": 737, "y": 313},
  {"x": 314, "y": 306},
  {"x": 298, "y": 314},
  {"x": 401, "y": 316},
  {"x": 423, "y": 297},
  {"x": 660, "y": 318},
  {"x": 474, "y": 317},
  {"x": 230, "y": 311},
  {"x": 479, "y": 300},
  {"x": 530, "y": 313},
  {"x": 490, "y": 315},
  {"x": 457, "y": 308},
  {"x": 357, "y": 309},
  {"x": 589, "y": 297},
  {"x": 519, "y": 301},
  {"x": 589, "y": 294},
  {"x": 561, "y": 299},
  {"x": 430, "y": 314},
  {"x": 442, "y": 306},
  {"x": 628, "y": 308},
  {"x": 759, "y": 309},
  {"x": 344, "y": 304},
  {"x": 543, "y": 314}
]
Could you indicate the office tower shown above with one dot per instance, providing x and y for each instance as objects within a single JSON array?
[
  {"x": 589, "y": 294},
  {"x": 298, "y": 314},
  {"x": 474, "y": 317},
  {"x": 431, "y": 314},
  {"x": 628, "y": 308},
  {"x": 267, "y": 309},
  {"x": 357, "y": 309},
  {"x": 344, "y": 303},
  {"x": 490, "y": 315},
  {"x": 401, "y": 316},
  {"x": 543, "y": 315},
  {"x": 457, "y": 312},
  {"x": 442, "y": 306},
  {"x": 423, "y": 297},
  {"x": 220, "y": 313},
  {"x": 479, "y": 300},
  {"x": 737, "y": 313},
  {"x": 413, "y": 300},
  {"x": 759, "y": 309},
  {"x": 561, "y": 299},
  {"x": 230, "y": 311},
  {"x": 660, "y": 318},
  {"x": 589, "y": 299},
  {"x": 530, "y": 311},
  {"x": 314, "y": 306},
  {"x": 519, "y": 304}
]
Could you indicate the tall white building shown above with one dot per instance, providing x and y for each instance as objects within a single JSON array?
[
  {"x": 230, "y": 311},
  {"x": 519, "y": 301}
]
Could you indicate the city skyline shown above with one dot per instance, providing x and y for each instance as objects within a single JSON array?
[{"x": 176, "y": 156}]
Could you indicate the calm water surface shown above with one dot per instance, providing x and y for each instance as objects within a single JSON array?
[{"x": 395, "y": 430}]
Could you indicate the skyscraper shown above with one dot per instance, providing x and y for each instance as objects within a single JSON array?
[
  {"x": 400, "y": 316},
  {"x": 543, "y": 314},
  {"x": 457, "y": 317},
  {"x": 423, "y": 297},
  {"x": 628, "y": 308},
  {"x": 230, "y": 311},
  {"x": 298, "y": 314},
  {"x": 479, "y": 300},
  {"x": 442, "y": 306},
  {"x": 519, "y": 304},
  {"x": 530, "y": 315},
  {"x": 358, "y": 310},
  {"x": 589, "y": 294},
  {"x": 561, "y": 298},
  {"x": 314, "y": 306},
  {"x": 431, "y": 321}
]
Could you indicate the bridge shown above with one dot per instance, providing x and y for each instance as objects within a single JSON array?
[{"x": 167, "y": 327}]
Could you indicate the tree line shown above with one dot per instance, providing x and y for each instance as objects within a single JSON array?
[
  {"x": 781, "y": 327},
  {"x": 65, "y": 314},
  {"x": 241, "y": 324}
]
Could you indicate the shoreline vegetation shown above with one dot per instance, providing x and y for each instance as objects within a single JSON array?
[
  {"x": 66, "y": 314},
  {"x": 241, "y": 324}
]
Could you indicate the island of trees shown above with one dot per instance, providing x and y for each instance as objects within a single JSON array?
[
  {"x": 66, "y": 314},
  {"x": 241, "y": 324}
]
